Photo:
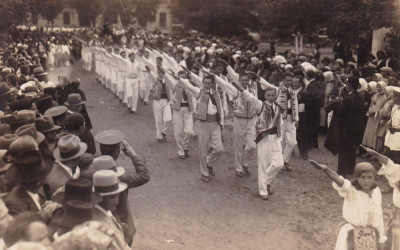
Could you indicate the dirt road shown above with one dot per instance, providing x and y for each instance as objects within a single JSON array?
[{"x": 176, "y": 210}]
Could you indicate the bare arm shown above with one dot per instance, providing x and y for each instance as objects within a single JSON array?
[{"x": 329, "y": 172}]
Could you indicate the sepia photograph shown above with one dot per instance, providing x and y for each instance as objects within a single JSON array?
[{"x": 200, "y": 124}]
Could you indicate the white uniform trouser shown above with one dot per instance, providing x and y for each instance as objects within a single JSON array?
[
  {"x": 289, "y": 137},
  {"x": 209, "y": 135},
  {"x": 183, "y": 128},
  {"x": 121, "y": 83},
  {"x": 107, "y": 75},
  {"x": 162, "y": 115},
  {"x": 114, "y": 79},
  {"x": 132, "y": 92},
  {"x": 270, "y": 161},
  {"x": 244, "y": 135},
  {"x": 145, "y": 87}
]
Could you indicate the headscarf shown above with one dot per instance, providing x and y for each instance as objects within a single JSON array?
[
  {"x": 372, "y": 86},
  {"x": 379, "y": 77},
  {"x": 363, "y": 85}
]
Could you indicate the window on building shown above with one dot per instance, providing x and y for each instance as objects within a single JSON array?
[
  {"x": 67, "y": 19},
  {"x": 163, "y": 19}
]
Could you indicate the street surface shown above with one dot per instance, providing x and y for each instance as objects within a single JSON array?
[{"x": 177, "y": 210}]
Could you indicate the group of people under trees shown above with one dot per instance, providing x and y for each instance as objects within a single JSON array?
[
  {"x": 199, "y": 83},
  {"x": 277, "y": 101},
  {"x": 59, "y": 190}
]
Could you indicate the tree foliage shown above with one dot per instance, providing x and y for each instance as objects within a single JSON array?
[
  {"x": 87, "y": 10},
  {"x": 13, "y": 12},
  {"x": 344, "y": 19},
  {"x": 49, "y": 9},
  {"x": 220, "y": 17}
]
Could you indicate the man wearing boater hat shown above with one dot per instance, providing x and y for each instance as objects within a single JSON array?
[
  {"x": 106, "y": 184},
  {"x": 110, "y": 144},
  {"x": 67, "y": 154}
]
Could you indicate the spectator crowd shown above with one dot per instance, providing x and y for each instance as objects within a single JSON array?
[{"x": 59, "y": 190}]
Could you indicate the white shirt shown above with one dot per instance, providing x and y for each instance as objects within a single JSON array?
[
  {"x": 212, "y": 109},
  {"x": 35, "y": 198},
  {"x": 392, "y": 173},
  {"x": 361, "y": 209},
  {"x": 132, "y": 69}
]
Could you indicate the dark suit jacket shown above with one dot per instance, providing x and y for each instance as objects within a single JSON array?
[
  {"x": 133, "y": 178},
  {"x": 312, "y": 101},
  {"x": 346, "y": 120},
  {"x": 18, "y": 201},
  {"x": 55, "y": 179}
]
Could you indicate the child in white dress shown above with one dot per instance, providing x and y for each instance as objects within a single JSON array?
[{"x": 362, "y": 208}]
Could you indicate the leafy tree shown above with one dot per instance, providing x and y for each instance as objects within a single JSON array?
[
  {"x": 49, "y": 9},
  {"x": 87, "y": 10},
  {"x": 13, "y": 12},
  {"x": 219, "y": 17}
]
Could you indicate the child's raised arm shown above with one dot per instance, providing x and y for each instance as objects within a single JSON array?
[{"x": 329, "y": 172}]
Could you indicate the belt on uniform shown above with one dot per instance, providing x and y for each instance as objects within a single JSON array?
[
  {"x": 184, "y": 104},
  {"x": 211, "y": 118},
  {"x": 261, "y": 135}
]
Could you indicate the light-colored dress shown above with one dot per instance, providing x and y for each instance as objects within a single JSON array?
[
  {"x": 359, "y": 209},
  {"x": 377, "y": 102}
]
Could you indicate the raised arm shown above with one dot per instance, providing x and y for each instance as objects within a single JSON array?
[
  {"x": 226, "y": 86},
  {"x": 249, "y": 97},
  {"x": 265, "y": 84},
  {"x": 171, "y": 82},
  {"x": 329, "y": 172},
  {"x": 194, "y": 91}
]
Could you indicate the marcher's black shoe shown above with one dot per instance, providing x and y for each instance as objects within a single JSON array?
[
  {"x": 239, "y": 173},
  {"x": 164, "y": 136},
  {"x": 186, "y": 153},
  {"x": 205, "y": 178},
  {"x": 287, "y": 166},
  {"x": 269, "y": 189},
  {"x": 211, "y": 170},
  {"x": 246, "y": 169}
]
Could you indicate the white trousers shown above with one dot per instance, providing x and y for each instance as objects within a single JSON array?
[
  {"x": 270, "y": 161},
  {"x": 121, "y": 83},
  {"x": 209, "y": 135},
  {"x": 183, "y": 128},
  {"x": 162, "y": 115},
  {"x": 244, "y": 135},
  {"x": 289, "y": 141},
  {"x": 132, "y": 93},
  {"x": 145, "y": 88}
]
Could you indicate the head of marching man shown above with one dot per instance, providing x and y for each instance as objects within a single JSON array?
[
  {"x": 270, "y": 95},
  {"x": 209, "y": 82},
  {"x": 244, "y": 79},
  {"x": 132, "y": 57},
  {"x": 110, "y": 142}
]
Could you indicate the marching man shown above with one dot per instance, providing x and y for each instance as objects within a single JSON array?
[
  {"x": 182, "y": 106},
  {"x": 287, "y": 98},
  {"x": 210, "y": 113},
  {"x": 269, "y": 137},
  {"x": 132, "y": 83}
]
